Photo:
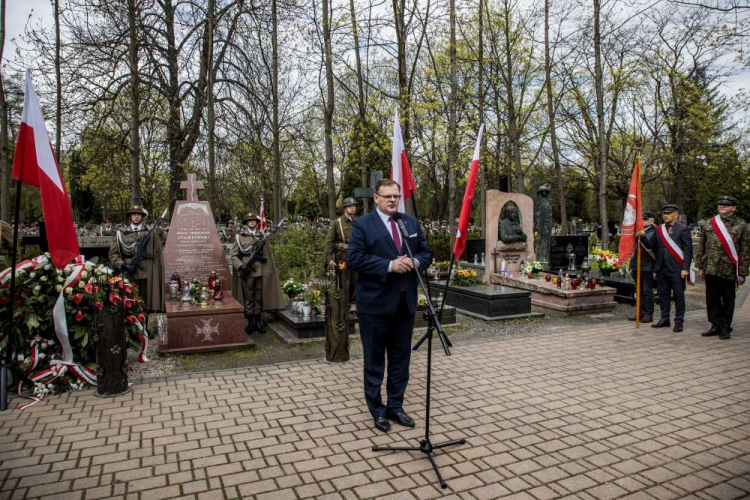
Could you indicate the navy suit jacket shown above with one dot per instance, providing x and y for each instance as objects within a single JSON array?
[
  {"x": 667, "y": 264},
  {"x": 371, "y": 249}
]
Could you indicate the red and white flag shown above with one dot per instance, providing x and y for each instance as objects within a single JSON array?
[
  {"x": 463, "y": 220},
  {"x": 34, "y": 163},
  {"x": 263, "y": 223},
  {"x": 400, "y": 168},
  {"x": 632, "y": 220}
]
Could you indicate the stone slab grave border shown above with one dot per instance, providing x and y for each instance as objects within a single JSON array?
[
  {"x": 567, "y": 301},
  {"x": 489, "y": 302}
]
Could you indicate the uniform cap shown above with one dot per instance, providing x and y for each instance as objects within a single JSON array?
[
  {"x": 348, "y": 202},
  {"x": 669, "y": 208},
  {"x": 250, "y": 216},
  {"x": 649, "y": 215},
  {"x": 137, "y": 209},
  {"x": 727, "y": 200}
]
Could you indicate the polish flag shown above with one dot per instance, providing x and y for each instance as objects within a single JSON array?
[
  {"x": 632, "y": 220},
  {"x": 34, "y": 163},
  {"x": 463, "y": 220},
  {"x": 400, "y": 169},
  {"x": 262, "y": 216}
]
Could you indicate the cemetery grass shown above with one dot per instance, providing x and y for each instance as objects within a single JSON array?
[{"x": 269, "y": 348}]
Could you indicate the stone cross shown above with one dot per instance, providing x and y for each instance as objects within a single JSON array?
[
  {"x": 192, "y": 186},
  {"x": 365, "y": 192}
]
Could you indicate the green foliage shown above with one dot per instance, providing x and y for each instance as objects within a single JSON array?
[
  {"x": 367, "y": 143},
  {"x": 440, "y": 244},
  {"x": 299, "y": 254}
]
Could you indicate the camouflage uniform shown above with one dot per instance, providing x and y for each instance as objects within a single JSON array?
[
  {"x": 721, "y": 274},
  {"x": 341, "y": 294}
]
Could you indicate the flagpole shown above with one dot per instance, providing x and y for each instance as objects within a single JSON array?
[
  {"x": 638, "y": 259},
  {"x": 8, "y": 358}
]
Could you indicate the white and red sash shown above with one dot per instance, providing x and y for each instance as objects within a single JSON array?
[
  {"x": 672, "y": 247},
  {"x": 726, "y": 241}
]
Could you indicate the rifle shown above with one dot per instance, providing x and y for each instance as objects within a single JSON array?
[
  {"x": 256, "y": 253},
  {"x": 141, "y": 252}
]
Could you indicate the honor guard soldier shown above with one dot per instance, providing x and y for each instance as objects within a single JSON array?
[
  {"x": 148, "y": 273},
  {"x": 107, "y": 229},
  {"x": 723, "y": 256},
  {"x": 227, "y": 233},
  {"x": 254, "y": 281},
  {"x": 647, "y": 241},
  {"x": 674, "y": 253},
  {"x": 340, "y": 297}
]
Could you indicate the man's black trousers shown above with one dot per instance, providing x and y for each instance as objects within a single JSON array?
[
  {"x": 666, "y": 283},
  {"x": 386, "y": 334},
  {"x": 720, "y": 295}
]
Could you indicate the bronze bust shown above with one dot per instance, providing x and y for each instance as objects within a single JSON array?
[{"x": 510, "y": 226}]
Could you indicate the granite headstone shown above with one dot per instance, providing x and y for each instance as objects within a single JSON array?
[{"x": 561, "y": 248}]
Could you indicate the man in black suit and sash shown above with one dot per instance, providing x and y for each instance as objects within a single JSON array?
[
  {"x": 386, "y": 299},
  {"x": 674, "y": 253}
]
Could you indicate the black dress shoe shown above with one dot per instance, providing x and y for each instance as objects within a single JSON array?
[
  {"x": 677, "y": 327},
  {"x": 401, "y": 419},
  {"x": 661, "y": 324},
  {"x": 381, "y": 423},
  {"x": 711, "y": 332},
  {"x": 725, "y": 336}
]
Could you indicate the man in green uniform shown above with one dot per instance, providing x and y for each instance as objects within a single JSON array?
[
  {"x": 341, "y": 294},
  {"x": 723, "y": 256},
  {"x": 254, "y": 284},
  {"x": 149, "y": 275}
]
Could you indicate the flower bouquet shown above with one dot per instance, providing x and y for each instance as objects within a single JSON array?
[
  {"x": 533, "y": 267},
  {"x": 606, "y": 261},
  {"x": 292, "y": 288},
  {"x": 465, "y": 277}
]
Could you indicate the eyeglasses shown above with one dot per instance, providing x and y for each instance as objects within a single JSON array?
[{"x": 393, "y": 197}]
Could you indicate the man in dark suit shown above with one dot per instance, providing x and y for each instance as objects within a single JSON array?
[
  {"x": 674, "y": 253},
  {"x": 386, "y": 299},
  {"x": 647, "y": 241}
]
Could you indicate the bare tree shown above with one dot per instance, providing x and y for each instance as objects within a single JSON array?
[
  {"x": 328, "y": 107},
  {"x": 5, "y": 169},
  {"x": 135, "y": 101}
]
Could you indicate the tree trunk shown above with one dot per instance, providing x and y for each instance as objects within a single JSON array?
[
  {"x": 483, "y": 162},
  {"x": 513, "y": 134},
  {"x": 135, "y": 140},
  {"x": 452, "y": 126},
  {"x": 403, "y": 87},
  {"x": 58, "y": 85},
  {"x": 328, "y": 110},
  {"x": 176, "y": 168},
  {"x": 602, "y": 152},
  {"x": 277, "y": 209},
  {"x": 552, "y": 127},
  {"x": 5, "y": 169},
  {"x": 361, "y": 103},
  {"x": 210, "y": 116}
]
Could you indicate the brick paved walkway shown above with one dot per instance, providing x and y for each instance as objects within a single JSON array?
[{"x": 594, "y": 414}]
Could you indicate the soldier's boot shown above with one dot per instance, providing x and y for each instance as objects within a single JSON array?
[
  {"x": 249, "y": 325},
  {"x": 260, "y": 324}
]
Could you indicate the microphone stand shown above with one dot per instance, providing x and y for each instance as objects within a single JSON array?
[{"x": 433, "y": 323}]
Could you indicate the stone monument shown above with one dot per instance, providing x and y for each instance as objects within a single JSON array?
[
  {"x": 510, "y": 231},
  {"x": 193, "y": 250},
  {"x": 543, "y": 223}
]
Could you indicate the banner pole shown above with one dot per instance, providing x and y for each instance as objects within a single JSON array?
[{"x": 638, "y": 242}]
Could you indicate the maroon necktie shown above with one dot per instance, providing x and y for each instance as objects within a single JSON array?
[{"x": 394, "y": 235}]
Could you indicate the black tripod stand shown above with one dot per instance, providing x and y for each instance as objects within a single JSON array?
[{"x": 425, "y": 445}]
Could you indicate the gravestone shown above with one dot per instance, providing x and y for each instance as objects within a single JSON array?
[
  {"x": 562, "y": 246},
  {"x": 513, "y": 253},
  {"x": 193, "y": 250},
  {"x": 543, "y": 223},
  {"x": 365, "y": 192},
  {"x": 474, "y": 247}
]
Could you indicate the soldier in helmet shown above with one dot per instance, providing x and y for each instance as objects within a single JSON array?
[
  {"x": 107, "y": 229},
  {"x": 341, "y": 295},
  {"x": 254, "y": 284},
  {"x": 149, "y": 275},
  {"x": 723, "y": 254}
]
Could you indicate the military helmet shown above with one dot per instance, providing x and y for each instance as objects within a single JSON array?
[
  {"x": 727, "y": 200},
  {"x": 348, "y": 202},
  {"x": 669, "y": 208},
  {"x": 250, "y": 216},
  {"x": 137, "y": 209}
]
